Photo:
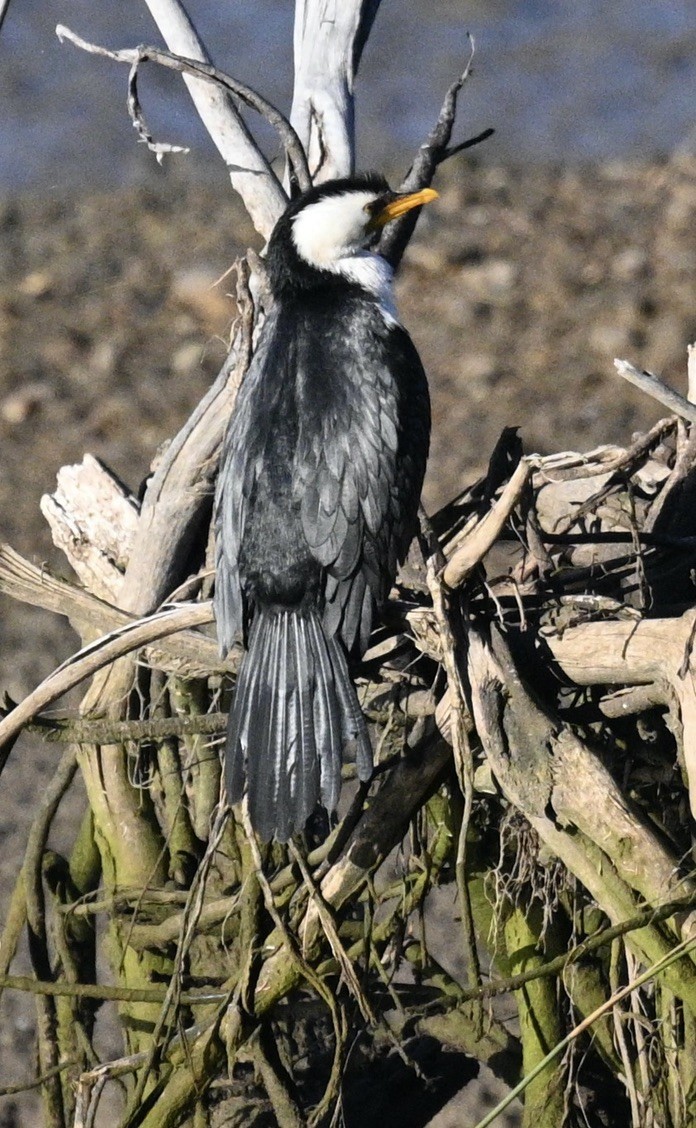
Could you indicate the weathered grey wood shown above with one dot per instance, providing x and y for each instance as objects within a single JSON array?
[
  {"x": 654, "y": 387},
  {"x": 187, "y": 654},
  {"x": 691, "y": 373},
  {"x": 93, "y": 520},
  {"x": 572, "y": 801},
  {"x": 328, "y": 41},
  {"x": 658, "y": 652}
]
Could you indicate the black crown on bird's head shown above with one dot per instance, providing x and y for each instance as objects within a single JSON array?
[{"x": 330, "y": 224}]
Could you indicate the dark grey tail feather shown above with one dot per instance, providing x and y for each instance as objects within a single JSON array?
[
  {"x": 294, "y": 710},
  {"x": 354, "y": 727},
  {"x": 327, "y": 716}
]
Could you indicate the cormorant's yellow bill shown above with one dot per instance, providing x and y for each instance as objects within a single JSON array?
[{"x": 401, "y": 204}]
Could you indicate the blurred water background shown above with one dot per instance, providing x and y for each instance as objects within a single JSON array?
[{"x": 568, "y": 80}]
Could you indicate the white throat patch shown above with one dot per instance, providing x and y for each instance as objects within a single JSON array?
[
  {"x": 375, "y": 275},
  {"x": 331, "y": 234}
]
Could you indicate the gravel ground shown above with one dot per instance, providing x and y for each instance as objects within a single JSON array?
[{"x": 520, "y": 289}]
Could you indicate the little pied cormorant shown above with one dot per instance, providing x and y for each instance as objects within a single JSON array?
[{"x": 317, "y": 497}]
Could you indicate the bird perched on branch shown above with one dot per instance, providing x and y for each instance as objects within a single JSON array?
[{"x": 317, "y": 497}]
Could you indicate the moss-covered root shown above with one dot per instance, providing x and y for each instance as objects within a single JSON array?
[{"x": 540, "y": 1028}]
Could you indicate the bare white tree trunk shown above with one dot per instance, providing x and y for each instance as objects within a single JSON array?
[{"x": 328, "y": 42}]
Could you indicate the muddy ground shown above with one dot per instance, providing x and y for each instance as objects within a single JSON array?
[{"x": 520, "y": 288}]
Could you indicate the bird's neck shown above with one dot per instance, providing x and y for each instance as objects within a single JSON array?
[
  {"x": 373, "y": 274},
  {"x": 301, "y": 281}
]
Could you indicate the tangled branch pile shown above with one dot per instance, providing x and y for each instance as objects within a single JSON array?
[
  {"x": 533, "y": 705},
  {"x": 532, "y": 697}
]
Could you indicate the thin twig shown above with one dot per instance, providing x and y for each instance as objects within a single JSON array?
[
  {"x": 331, "y": 932},
  {"x": 47, "y": 1032},
  {"x": 615, "y": 961},
  {"x": 26, "y": 1086},
  {"x": 277, "y": 1083},
  {"x": 431, "y": 153},
  {"x": 133, "y": 57},
  {"x": 13, "y": 928},
  {"x": 469, "y": 143},
  {"x": 137, "y": 116},
  {"x": 250, "y": 172}
]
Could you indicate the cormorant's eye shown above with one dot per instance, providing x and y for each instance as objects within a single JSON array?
[{"x": 374, "y": 209}]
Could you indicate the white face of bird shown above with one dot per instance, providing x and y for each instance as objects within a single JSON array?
[
  {"x": 334, "y": 228},
  {"x": 338, "y": 227}
]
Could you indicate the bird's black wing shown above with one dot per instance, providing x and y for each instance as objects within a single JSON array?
[
  {"x": 239, "y": 466},
  {"x": 364, "y": 427}
]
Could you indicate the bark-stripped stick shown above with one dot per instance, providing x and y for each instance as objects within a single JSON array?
[
  {"x": 484, "y": 535},
  {"x": 655, "y": 388}
]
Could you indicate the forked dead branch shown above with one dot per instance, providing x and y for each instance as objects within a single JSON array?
[{"x": 533, "y": 709}]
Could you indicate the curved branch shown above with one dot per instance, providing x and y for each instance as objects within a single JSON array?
[
  {"x": 94, "y": 658},
  {"x": 249, "y": 171},
  {"x": 133, "y": 57},
  {"x": 191, "y": 654}
]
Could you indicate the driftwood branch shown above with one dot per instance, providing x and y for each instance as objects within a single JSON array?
[
  {"x": 651, "y": 652},
  {"x": 189, "y": 654},
  {"x": 328, "y": 44},
  {"x": 654, "y": 387},
  {"x": 93, "y": 518},
  {"x": 469, "y": 552},
  {"x": 250, "y": 173},
  {"x": 80, "y": 731},
  {"x": 95, "y": 657}
]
